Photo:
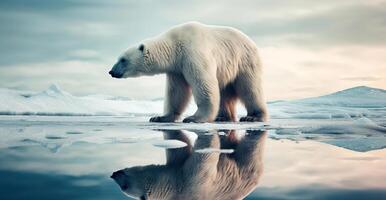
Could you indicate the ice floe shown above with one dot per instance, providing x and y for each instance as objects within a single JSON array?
[{"x": 351, "y": 103}]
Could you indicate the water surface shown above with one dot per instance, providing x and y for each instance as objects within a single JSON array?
[{"x": 72, "y": 158}]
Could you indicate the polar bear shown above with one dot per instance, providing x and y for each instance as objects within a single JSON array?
[
  {"x": 219, "y": 65},
  {"x": 188, "y": 174}
]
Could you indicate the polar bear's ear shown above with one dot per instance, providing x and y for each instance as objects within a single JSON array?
[{"x": 141, "y": 47}]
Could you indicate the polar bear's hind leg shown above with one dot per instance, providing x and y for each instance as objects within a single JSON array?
[
  {"x": 250, "y": 93},
  {"x": 228, "y": 100}
]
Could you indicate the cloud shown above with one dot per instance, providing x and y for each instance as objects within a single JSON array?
[
  {"x": 290, "y": 72},
  {"x": 33, "y": 31},
  {"x": 362, "y": 78},
  {"x": 346, "y": 25},
  {"x": 326, "y": 45},
  {"x": 80, "y": 78},
  {"x": 85, "y": 54}
]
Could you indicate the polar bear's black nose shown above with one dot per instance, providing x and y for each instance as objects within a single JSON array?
[
  {"x": 116, "y": 174},
  {"x": 113, "y": 74}
]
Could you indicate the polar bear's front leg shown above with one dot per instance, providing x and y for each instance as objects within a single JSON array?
[
  {"x": 204, "y": 84},
  {"x": 178, "y": 94}
]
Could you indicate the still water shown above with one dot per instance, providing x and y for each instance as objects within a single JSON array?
[{"x": 73, "y": 160}]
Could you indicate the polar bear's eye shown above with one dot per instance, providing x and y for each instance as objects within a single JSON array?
[
  {"x": 122, "y": 60},
  {"x": 141, "y": 47}
]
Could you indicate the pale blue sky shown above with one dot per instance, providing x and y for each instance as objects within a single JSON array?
[{"x": 308, "y": 48}]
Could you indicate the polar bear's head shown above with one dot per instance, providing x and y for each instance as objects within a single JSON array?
[
  {"x": 144, "y": 182},
  {"x": 152, "y": 57},
  {"x": 131, "y": 63},
  {"x": 132, "y": 181}
]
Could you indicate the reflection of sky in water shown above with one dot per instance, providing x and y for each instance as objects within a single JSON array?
[{"x": 80, "y": 168}]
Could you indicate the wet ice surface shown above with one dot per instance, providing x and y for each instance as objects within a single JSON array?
[
  {"x": 354, "y": 102},
  {"x": 48, "y": 157}
]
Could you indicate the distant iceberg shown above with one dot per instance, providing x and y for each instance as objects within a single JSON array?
[
  {"x": 55, "y": 101},
  {"x": 351, "y": 103}
]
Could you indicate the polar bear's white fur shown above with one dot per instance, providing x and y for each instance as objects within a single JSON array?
[{"x": 219, "y": 65}]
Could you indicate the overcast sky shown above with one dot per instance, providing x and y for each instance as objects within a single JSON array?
[{"x": 308, "y": 48}]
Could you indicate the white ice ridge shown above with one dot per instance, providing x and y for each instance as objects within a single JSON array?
[
  {"x": 351, "y": 103},
  {"x": 213, "y": 150},
  {"x": 169, "y": 144},
  {"x": 55, "y": 132}
]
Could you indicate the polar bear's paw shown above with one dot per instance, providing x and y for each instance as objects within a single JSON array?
[
  {"x": 161, "y": 119},
  {"x": 194, "y": 119},
  {"x": 252, "y": 119},
  {"x": 223, "y": 119}
]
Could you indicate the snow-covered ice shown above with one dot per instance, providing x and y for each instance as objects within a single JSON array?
[
  {"x": 354, "y": 119},
  {"x": 56, "y": 132},
  {"x": 55, "y": 137},
  {"x": 351, "y": 103},
  {"x": 212, "y": 150},
  {"x": 55, "y": 101},
  {"x": 169, "y": 144}
]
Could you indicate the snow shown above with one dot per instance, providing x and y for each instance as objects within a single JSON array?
[
  {"x": 57, "y": 132},
  {"x": 213, "y": 150},
  {"x": 361, "y": 96},
  {"x": 55, "y": 101},
  {"x": 354, "y": 119},
  {"x": 169, "y": 144},
  {"x": 351, "y": 103}
]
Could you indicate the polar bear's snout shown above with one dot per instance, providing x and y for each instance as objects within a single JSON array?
[
  {"x": 111, "y": 73},
  {"x": 118, "y": 70},
  {"x": 114, "y": 74},
  {"x": 120, "y": 178}
]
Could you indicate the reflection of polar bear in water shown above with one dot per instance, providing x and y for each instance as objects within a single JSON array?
[
  {"x": 191, "y": 175},
  {"x": 219, "y": 65}
]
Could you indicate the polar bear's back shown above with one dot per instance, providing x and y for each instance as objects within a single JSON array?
[
  {"x": 198, "y": 35},
  {"x": 229, "y": 50}
]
